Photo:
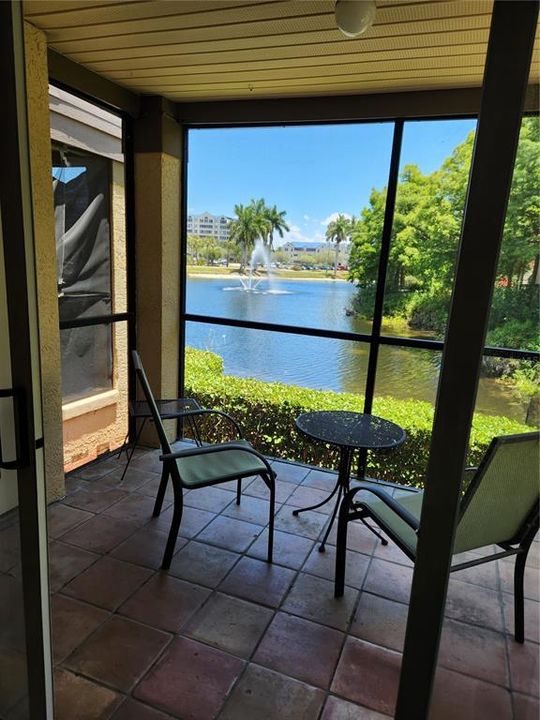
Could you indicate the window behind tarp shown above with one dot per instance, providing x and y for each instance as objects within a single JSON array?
[{"x": 82, "y": 188}]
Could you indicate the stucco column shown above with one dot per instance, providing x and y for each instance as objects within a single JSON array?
[
  {"x": 158, "y": 148},
  {"x": 37, "y": 83}
]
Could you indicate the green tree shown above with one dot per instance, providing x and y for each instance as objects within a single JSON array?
[
  {"x": 245, "y": 229},
  {"x": 338, "y": 231}
]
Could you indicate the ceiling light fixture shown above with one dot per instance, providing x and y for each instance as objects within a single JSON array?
[{"x": 354, "y": 17}]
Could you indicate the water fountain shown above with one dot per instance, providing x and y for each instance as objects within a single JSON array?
[{"x": 250, "y": 283}]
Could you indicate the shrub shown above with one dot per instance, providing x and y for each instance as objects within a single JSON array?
[{"x": 266, "y": 412}]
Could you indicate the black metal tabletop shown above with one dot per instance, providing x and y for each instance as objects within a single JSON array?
[
  {"x": 350, "y": 429},
  {"x": 168, "y": 409}
]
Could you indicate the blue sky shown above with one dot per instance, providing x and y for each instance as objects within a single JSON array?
[{"x": 312, "y": 172}]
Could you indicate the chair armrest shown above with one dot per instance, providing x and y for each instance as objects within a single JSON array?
[
  {"x": 209, "y": 411},
  {"x": 401, "y": 511},
  {"x": 210, "y": 449}
]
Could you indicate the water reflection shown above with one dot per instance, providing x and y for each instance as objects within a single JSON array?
[{"x": 319, "y": 363}]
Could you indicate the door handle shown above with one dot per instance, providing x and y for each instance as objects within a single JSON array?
[{"x": 19, "y": 422}]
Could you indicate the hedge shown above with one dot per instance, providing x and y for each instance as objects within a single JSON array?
[{"x": 266, "y": 412}]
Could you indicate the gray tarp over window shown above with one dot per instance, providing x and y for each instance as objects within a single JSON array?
[{"x": 81, "y": 184}]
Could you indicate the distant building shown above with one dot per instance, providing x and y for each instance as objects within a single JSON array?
[
  {"x": 207, "y": 225},
  {"x": 296, "y": 249}
]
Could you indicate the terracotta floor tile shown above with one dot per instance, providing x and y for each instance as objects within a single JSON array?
[
  {"x": 263, "y": 693},
  {"x": 230, "y": 534},
  {"x": 485, "y": 574},
  {"x": 359, "y": 538},
  {"x": 289, "y": 550},
  {"x": 251, "y": 509},
  {"x": 229, "y": 624},
  {"x": 61, "y": 518},
  {"x": 134, "y": 478},
  {"x": 283, "y": 490},
  {"x": 338, "y": 709},
  {"x": 389, "y": 580},
  {"x": 458, "y": 696},
  {"x": 134, "y": 710},
  {"x": 258, "y": 581},
  {"x": 308, "y": 524},
  {"x": 524, "y": 666},
  {"x": 532, "y": 617},
  {"x": 301, "y": 649},
  {"x": 474, "y": 604},
  {"x": 202, "y": 564},
  {"x": 214, "y": 499},
  {"x": 525, "y": 707},
  {"x": 379, "y": 671},
  {"x": 313, "y": 598},
  {"x": 136, "y": 508},
  {"x": 476, "y": 651},
  {"x": 146, "y": 547},
  {"x": 289, "y": 472},
  {"x": 323, "y": 564},
  {"x": 10, "y": 547},
  {"x": 95, "y": 501},
  {"x": 305, "y": 496},
  {"x": 391, "y": 552},
  {"x": 72, "y": 623},
  {"x": 174, "y": 684},
  {"x": 320, "y": 479},
  {"x": 380, "y": 621},
  {"x": 151, "y": 486},
  {"x": 107, "y": 583},
  {"x": 96, "y": 470},
  {"x": 76, "y": 697},
  {"x": 101, "y": 533},
  {"x": 193, "y": 521},
  {"x": 118, "y": 653},
  {"x": 65, "y": 562},
  {"x": 165, "y": 602},
  {"x": 532, "y": 579},
  {"x": 148, "y": 461}
]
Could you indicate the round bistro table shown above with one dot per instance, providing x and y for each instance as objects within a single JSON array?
[{"x": 348, "y": 431}]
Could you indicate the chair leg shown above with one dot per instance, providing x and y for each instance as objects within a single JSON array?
[
  {"x": 519, "y": 602},
  {"x": 173, "y": 532},
  {"x": 161, "y": 490},
  {"x": 341, "y": 548},
  {"x": 238, "y": 490},
  {"x": 272, "y": 486}
]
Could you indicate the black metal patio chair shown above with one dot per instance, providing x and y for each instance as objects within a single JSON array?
[
  {"x": 203, "y": 466},
  {"x": 499, "y": 507}
]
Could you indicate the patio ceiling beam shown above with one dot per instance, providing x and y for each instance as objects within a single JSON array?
[
  {"x": 505, "y": 84},
  {"x": 339, "y": 108},
  {"x": 73, "y": 76}
]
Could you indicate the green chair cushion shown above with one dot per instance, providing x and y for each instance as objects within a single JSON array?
[
  {"x": 196, "y": 470},
  {"x": 387, "y": 518}
]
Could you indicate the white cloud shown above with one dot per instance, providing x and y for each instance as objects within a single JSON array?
[
  {"x": 334, "y": 216},
  {"x": 306, "y": 217}
]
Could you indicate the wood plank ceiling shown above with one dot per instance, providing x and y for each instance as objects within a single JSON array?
[{"x": 190, "y": 50}]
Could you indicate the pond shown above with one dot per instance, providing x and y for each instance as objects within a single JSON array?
[{"x": 319, "y": 363}]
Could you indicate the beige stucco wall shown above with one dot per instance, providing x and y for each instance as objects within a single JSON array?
[
  {"x": 157, "y": 220},
  {"x": 40, "y": 162},
  {"x": 99, "y": 423}
]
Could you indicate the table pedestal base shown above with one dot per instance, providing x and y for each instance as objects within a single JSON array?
[{"x": 341, "y": 487}]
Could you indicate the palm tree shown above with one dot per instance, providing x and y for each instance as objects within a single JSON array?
[
  {"x": 276, "y": 223},
  {"x": 337, "y": 231},
  {"x": 244, "y": 230}
]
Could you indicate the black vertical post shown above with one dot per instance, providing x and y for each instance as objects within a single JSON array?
[
  {"x": 386, "y": 239},
  {"x": 183, "y": 274},
  {"x": 129, "y": 185},
  {"x": 506, "y": 74}
]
